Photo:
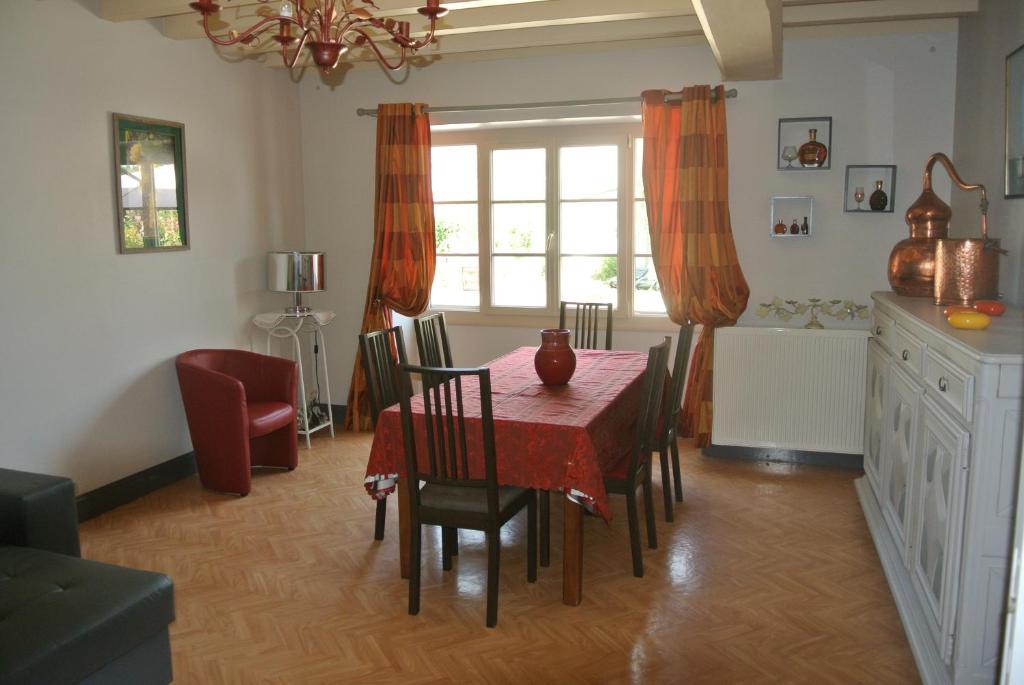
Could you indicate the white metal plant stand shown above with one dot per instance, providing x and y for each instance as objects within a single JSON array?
[{"x": 284, "y": 326}]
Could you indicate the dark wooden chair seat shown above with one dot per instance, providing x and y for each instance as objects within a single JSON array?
[
  {"x": 381, "y": 353},
  {"x": 467, "y": 500}
]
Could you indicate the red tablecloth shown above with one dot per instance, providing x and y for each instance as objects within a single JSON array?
[{"x": 553, "y": 438}]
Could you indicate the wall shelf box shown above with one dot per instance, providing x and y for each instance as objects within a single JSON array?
[
  {"x": 788, "y": 208},
  {"x": 795, "y": 132},
  {"x": 864, "y": 176}
]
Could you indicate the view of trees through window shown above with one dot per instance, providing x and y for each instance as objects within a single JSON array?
[{"x": 519, "y": 228}]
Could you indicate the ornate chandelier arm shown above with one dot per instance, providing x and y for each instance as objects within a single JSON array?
[
  {"x": 290, "y": 62},
  {"x": 364, "y": 39}
]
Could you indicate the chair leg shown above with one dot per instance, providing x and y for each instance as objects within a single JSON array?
[
  {"x": 414, "y": 568},
  {"x": 531, "y": 538},
  {"x": 634, "y": 535},
  {"x": 493, "y": 555},
  {"x": 652, "y": 532},
  {"x": 447, "y": 542},
  {"x": 382, "y": 513},
  {"x": 674, "y": 445},
  {"x": 545, "y": 528},
  {"x": 666, "y": 485}
]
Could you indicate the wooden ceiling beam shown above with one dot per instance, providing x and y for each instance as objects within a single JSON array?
[
  {"x": 862, "y": 11},
  {"x": 745, "y": 37}
]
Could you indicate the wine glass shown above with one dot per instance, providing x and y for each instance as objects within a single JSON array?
[
  {"x": 858, "y": 196},
  {"x": 789, "y": 154}
]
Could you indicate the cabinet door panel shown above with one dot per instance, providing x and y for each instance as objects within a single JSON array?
[
  {"x": 940, "y": 479},
  {"x": 900, "y": 439},
  {"x": 875, "y": 465}
]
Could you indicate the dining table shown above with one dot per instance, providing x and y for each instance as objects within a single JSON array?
[{"x": 551, "y": 438}]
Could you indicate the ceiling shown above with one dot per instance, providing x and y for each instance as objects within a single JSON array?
[{"x": 744, "y": 35}]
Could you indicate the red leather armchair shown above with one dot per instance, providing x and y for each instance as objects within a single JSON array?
[{"x": 241, "y": 413}]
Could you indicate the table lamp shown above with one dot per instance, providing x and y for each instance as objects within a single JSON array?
[{"x": 296, "y": 273}]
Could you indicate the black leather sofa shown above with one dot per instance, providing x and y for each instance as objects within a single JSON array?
[{"x": 64, "y": 619}]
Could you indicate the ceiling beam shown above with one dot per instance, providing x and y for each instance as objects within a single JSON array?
[
  {"x": 468, "y": 20},
  {"x": 858, "y": 11},
  {"x": 745, "y": 37}
]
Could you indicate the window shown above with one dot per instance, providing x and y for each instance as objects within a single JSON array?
[{"x": 527, "y": 217}]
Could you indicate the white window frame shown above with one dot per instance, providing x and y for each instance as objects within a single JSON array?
[{"x": 551, "y": 138}]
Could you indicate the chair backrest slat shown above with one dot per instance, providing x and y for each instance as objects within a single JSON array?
[
  {"x": 432, "y": 341},
  {"x": 587, "y": 317},
  {"x": 447, "y": 442},
  {"x": 381, "y": 353}
]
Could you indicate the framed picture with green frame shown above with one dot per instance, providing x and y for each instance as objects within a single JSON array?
[{"x": 149, "y": 180}]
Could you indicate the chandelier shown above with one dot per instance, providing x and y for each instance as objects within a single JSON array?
[{"x": 328, "y": 28}]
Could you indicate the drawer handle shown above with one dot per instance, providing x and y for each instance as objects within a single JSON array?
[
  {"x": 943, "y": 384},
  {"x": 878, "y": 330},
  {"x": 905, "y": 355}
]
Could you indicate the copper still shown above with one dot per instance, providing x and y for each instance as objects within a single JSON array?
[{"x": 930, "y": 264}]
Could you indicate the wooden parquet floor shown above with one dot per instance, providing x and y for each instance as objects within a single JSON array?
[{"x": 768, "y": 575}]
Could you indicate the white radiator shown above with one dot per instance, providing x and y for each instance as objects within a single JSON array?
[{"x": 790, "y": 388}]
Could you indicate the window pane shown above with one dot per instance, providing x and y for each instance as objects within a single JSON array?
[
  {"x": 589, "y": 227},
  {"x": 519, "y": 227},
  {"x": 638, "y": 167},
  {"x": 589, "y": 172},
  {"x": 642, "y": 241},
  {"x": 519, "y": 282},
  {"x": 456, "y": 282},
  {"x": 589, "y": 279},
  {"x": 518, "y": 175},
  {"x": 453, "y": 173},
  {"x": 646, "y": 292},
  {"x": 455, "y": 228}
]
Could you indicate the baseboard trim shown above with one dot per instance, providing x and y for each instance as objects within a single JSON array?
[
  {"x": 833, "y": 459},
  {"x": 101, "y": 500}
]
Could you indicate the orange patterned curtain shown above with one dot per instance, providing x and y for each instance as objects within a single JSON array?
[
  {"x": 402, "y": 267},
  {"x": 686, "y": 182}
]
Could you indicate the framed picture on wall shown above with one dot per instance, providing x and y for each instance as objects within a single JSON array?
[
  {"x": 149, "y": 182},
  {"x": 1015, "y": 123}
]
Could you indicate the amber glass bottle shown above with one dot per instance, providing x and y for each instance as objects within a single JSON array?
[
  {"x": 812, "y": 153},
  {"x": 878, "y": 200}
]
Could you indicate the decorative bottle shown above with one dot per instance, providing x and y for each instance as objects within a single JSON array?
[
  {"x": 794, "y": 228},
  {"x": 805, "y": 228},
  {"x": 812, "y": 153},
  {"x": 878, "y": 200},
  {"x": 780, "y": 227}
]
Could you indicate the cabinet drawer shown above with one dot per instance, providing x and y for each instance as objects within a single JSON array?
[
  {"x": 948, "y": 383},
  {"x": 882, "y": 328},
  {"x": 908, "y": 351}
]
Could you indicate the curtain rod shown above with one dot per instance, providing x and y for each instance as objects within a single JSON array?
[{"x": 673, "y": 97}]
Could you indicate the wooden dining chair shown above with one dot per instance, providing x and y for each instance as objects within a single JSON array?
[
  {"x": 634, "y": 470},
  {"x": 432, "y": 340},
  {"x": 454, "y": 495},
  {"x": 584, "y": 318},
  {"x": 381, "y": 353},
  {"x": 665, "y": 440}
]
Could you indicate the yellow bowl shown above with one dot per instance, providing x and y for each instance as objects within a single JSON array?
[{"x": 974, "y": 321}]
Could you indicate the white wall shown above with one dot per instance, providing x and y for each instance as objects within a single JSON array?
[
  {"x": 986, "y": 39},
  {"x": 873, "y": 87},
  {"x": 87, "y": 383}
]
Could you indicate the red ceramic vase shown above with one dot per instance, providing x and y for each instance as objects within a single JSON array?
[{"x": 555, "y": 361}]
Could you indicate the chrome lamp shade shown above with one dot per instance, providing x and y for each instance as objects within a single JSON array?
[{"x": 297, "y": 273}]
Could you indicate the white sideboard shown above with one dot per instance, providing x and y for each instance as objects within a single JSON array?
[{"x": 942, "y": 434}]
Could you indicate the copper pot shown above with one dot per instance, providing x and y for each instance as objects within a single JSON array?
[
  {"x": 912, "y": 262},
  {"x": 966, "y": 269}
]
